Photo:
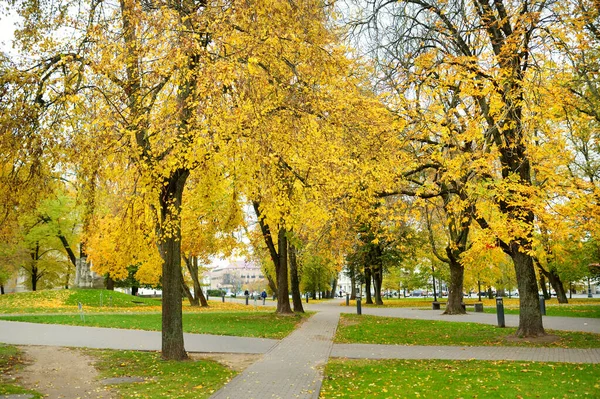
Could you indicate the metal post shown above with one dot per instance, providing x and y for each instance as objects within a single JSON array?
[
  {"x": 223, "y": 297},
  {"x": 358, "y": 306},
  {"x": 500, "y": 312},
  {"x": 347, "y": 299},
  {"x": 543, "y": 305}
]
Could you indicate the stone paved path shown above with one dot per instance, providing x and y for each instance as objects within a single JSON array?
[{"x": 292, "y": 367}]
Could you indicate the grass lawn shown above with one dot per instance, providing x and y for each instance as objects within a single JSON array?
[
  {"x": 10, "y": 360},
  {"x": 458, "y": 379},
  {"x": 395, "y": 331},
  {"x": 577, "y": 307},
  {"x": 164, "y": 379},
  {"x": 566, "y": 310},
  {"x": 243, "y": 324},
  {"x": 66, "y": 301}
]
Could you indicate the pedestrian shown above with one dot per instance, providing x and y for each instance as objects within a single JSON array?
[{"x": 263, "y": 295}]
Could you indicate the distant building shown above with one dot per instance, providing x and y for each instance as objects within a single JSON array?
[{"x": 236, "y": 275}]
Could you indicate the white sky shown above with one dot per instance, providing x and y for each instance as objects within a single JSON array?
[{"x": 7, "y": 27}]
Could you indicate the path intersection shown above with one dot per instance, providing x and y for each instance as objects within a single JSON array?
[{"x": 293, "y": 367}]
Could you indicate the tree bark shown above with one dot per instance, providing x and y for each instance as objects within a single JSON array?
[
  {"x": 294, "y": 280},
  {"x": 333, "y": 287},
  {"x": 558, "y": 286},
  {"x": 109, "y": 283},
  {"x": 198, "y": 298},
  {"x": 194, "y": 302},
  {"x": 455, "y": 289},
  {"x": 368, "y": 299},
  {"x": 353, "y": 286},
  {"x": 1, "y": 289},
  {"x": 377, "y": 283},
  {"x": 283, "y": 296},
  {"x": 530, "y": 316},
  {"x": 543, "y": 286},
  {"x": 169, "y": 246}
]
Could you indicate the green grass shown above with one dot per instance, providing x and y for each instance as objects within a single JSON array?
[
  {"x": 442, "y": 379},
  {"x": 244, "y": 324},
  {"x": 96, "y": 298},
  {"x": 63, "y": 301},
  {"x": 10, "y": 360},
  {"x": 592, "y": 311},
  {"x": 396, "y": 331},
  {"x": 164, "y": 379}
]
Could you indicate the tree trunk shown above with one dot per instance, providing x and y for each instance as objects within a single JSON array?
[
  {"x": 1, "y": 289},
  {"x": 34, "y": 278},
  {"x": 109, "y": 283},
  {"x": 169, "y": 246},
  {"x": 558, "y": 286},
  {"x": 283, "y": 295},
  {"x": 198, "y": 298},
  {"x": 134, "y": 291},
  {"x": 353, "y": 286},
  {"x": 194, "y": 302},
  {"x": 295, "y": 281},
  {"x": 377, "y": 282},
  {"x": 530, "y": 316},
  {"x": 455, "y": 289},
  {"x": 369, "y": 299},
  {"x": 333, "y": 287},
  {"x": 543, "y": 286}
]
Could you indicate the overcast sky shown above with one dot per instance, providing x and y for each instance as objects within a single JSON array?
[{"x": 7, "y": 26}]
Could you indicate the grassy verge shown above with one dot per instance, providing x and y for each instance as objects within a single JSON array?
[
  {"x": 566, "y": 310},
  {"x": 9, "y": 361},
  {"x": 244, "y": 324},
  {"x": 99, "y": 301},
  {"x": 458, "y": 379},
  {"x": 163, "y": 379},
  {"x": 395, "y": 331}
]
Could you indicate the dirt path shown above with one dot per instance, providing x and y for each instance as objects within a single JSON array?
[{"x": 60, "y": 373}]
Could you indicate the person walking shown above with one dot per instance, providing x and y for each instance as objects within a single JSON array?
[{"x": 263, "y": 295}]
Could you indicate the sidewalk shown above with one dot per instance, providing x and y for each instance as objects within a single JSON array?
[{"x": 292, "y": 367}]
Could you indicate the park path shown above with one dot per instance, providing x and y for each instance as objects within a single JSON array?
[{"x": 293, "y": 367}]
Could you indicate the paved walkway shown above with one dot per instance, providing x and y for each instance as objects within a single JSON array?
[{"x": 292, "y": 367}]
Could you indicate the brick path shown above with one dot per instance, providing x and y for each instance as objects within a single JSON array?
[{"x": 293, "y": 369}]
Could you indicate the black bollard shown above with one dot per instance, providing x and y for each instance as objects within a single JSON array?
[
  {"x": 358, "y": 306},
  {"x": 500, "y": 312},
  {"x": 307, "y": 297},
  {"x": 347, "y": 299},
  {"x": 223, "y": 297},
  {"x": 543, "y": 305}
]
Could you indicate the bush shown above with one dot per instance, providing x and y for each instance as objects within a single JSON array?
[{"x": 215, "y": 293}]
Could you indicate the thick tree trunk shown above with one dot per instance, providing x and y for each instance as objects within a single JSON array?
[
  {"x": 530, "y": 316},
  {"x": 34, "y": 278},
  {"x": 455, "y": 288},
  {"x": 169, "y": 246},
  {"x": 109, "y": 283},
  {"x": 295, "y": 281},
  {"x": 377, "y": 283},
  {"x": 283, "y": 295},
  {"x": 353, "y": 286},
  {"x": 1, "y": 289},
  {"x": 368, "y": 299},
  {"x": 134, "y": 291},
  {"x": 333, "y": 287}
]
